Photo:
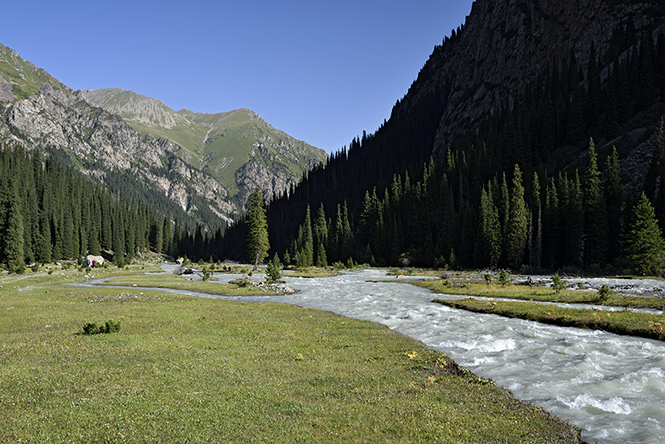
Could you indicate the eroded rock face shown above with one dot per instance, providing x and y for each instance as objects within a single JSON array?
[
  {"x": 237, "y": 148},
  {"x": 94, "y": 129},
  {"x": 103, "y": 142},
  {"x": 506, "y": 44}
]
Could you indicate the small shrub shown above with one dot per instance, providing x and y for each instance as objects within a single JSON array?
[
  {"x": 91, "y": 328},
  {"x": 35, "y": 268},
  {"x": 557, "y": 283},
  {"x": 504, "y": 277},
  {"x": 488, "y": 279},
  {"x": 111, "y": 326},
  {"x": 272, "y": 273},
  {"x": 603, "y": 293}
]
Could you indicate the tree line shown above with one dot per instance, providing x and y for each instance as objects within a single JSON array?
[
  {"x": 50, "y": 213},
  {"x": 527, "y": 187}
]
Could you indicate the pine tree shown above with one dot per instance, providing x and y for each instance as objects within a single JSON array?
[
  {"x": 257, "y": 230},
  {"x": 595, "y": 214},
  {"x": 321, "y": 237},
  {"x": 644, "y": 242},
  {"x": 551, "y": 226},
  {"x": 167, "y": 243},
  {"x": 306, "y": 242},
  {"x": 518, "y": 220},
  {"x": 504, "y": 210},
  {"x": 489, "y": 245},
  {"x": 13, "y": 234},
  {"x": 613, "y": 204},
  {"x": 536, "y": 223}
]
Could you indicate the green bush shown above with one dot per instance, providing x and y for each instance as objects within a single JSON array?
[
  {"x": 504, "y": 278},
  {"x": 91, "y": 328},
  {"x": 603, "y": 293},
  {"x": 557, "y": 283},
  {"x": 272, "y": 273}
]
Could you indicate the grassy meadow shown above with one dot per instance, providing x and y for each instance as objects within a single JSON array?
[
  {"x": 185, "y": 369},
  {"x": 625, "y": 322},
  {"x": 540, "y": 294}
]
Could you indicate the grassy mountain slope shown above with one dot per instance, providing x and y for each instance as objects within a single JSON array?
[
  {"x": 39, "y": 113},
  {"x": 219, "y": 144},
  {"x": 19, "y": 78}
]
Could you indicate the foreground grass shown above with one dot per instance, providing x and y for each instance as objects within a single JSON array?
[
  {"x": 188, "y": 369},
  {"x": 624, "y": 322},
  {"x": 182, "y": 283},
  {"x": 540, "y": 294}
]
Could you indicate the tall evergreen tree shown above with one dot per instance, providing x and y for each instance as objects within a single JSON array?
[
  {"x": 645, "y": 247},
  {"x": 574, "y": 222},
  {"x": 489, "y": 245},
  {"x": 536, "y": 224},
  {"x": 257, "y": 230},
  {"x": 518, "y": 220},
  {"x": 306, "y": 242},
  {"x": 321, "y": 237},
  {"x": 595, "y": 214},
  {"x": 613, "y": 205},
  {"x": 13, "y": 233}
]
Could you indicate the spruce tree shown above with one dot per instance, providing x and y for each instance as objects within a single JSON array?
[
  {"x": 306, "y": 242},
  {"x": 595, "y": 215},
  {"x": 13, "y": 234},
  {"x": 489, "y": 245},
  {"x": 574, "y": 222},
  {"x": 257, "y": 230},
  {"x": 321, "y": 237},
  {"x": 613, "y": 204},
  {"x": 645, "y": 247},
  {"x": 536, "y": 224},
  {"x": 518, "y": 219},
  {"x": 551, "y": 227}
]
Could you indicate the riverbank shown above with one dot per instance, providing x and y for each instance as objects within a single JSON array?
[
  {"x": 625, "y": 322},
  {"x": 186, "y": 369}
]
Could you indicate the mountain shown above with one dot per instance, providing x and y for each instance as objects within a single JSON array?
[
  {"x": 525, "y": 99},
  {"x": 39, "y": 112},
  {"x": 237, "y": 148}
]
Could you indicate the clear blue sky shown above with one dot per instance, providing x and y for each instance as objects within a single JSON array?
[{"x": 322, "y": 71}]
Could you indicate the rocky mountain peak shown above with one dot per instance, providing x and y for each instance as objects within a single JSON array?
[{"x": 506, "y": 44}]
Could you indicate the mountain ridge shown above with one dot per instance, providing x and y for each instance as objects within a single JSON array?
[
  {"x": 237, "y": 147},
  {"x": 39, "y": 112}
]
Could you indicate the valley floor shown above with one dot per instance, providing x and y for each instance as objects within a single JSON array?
[{"x": 186, "y": 369}]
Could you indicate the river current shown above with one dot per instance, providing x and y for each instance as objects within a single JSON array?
[{"x": 612, "y": 387}]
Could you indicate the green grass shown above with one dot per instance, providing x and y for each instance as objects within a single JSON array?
[
  {"x": 186, "y": 369},
  {"x": 541, "y": 294},
  {"x": 182, "y": 283},
  {"x": 311, "y": 272},
  {"x": 623, "y": 322}
]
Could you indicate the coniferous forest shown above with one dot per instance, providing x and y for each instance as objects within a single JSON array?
[
  {"x": 536, "y": 185},
  {"x": 49, "y": 213},
  {"x": 506, "y": 194}
]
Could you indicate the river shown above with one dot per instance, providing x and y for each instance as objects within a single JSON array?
[{"x": 612, "y": 387}]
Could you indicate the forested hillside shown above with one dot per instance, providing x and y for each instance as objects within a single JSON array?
[
  {"x": 526, "y": 186},
  {"x": 50, "y": 213}
]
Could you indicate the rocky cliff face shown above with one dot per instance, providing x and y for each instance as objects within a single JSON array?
[
  {"x": 506, "y": 44},
  {"x": 237, "y": 148},
  {"x": 40, "y": 113}
]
